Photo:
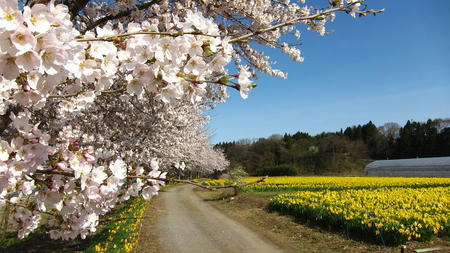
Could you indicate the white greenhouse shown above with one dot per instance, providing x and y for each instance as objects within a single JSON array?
[{"x": 416, "y": 167}]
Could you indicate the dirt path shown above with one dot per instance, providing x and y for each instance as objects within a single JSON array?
[{"x": 191, "y": 225}]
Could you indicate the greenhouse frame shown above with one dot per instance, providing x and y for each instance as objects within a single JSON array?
[{"x": 416, "y": 167}]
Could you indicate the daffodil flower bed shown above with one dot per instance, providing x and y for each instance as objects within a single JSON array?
[
  {"x": 290, "y": 184},
  {"x": 395, "y": 215},
  {"x": 121, "y": 234}
]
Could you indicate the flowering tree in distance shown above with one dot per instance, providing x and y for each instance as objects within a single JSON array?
[{"x": 99, "y": 99}]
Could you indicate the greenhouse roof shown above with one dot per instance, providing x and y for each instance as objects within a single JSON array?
[{"x": 436, "y": 166}]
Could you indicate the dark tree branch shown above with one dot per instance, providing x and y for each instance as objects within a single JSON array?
[
  {"x": 76, "y": 7},
  {"x": 118, "y": 15}
]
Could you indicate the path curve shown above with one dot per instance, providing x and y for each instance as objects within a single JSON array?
[{"x": 191, "y": 225}]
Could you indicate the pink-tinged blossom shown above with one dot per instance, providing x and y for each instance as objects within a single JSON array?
[
  {"x": 134, "y": 87},
  {"x": 28, "y": 61},
  {"x": 61, "y": 14},
  {"x": 119, "y": 169},
  {"x": 218, "y": 63},
  {"x": 20, "y": 122},
  {"x": 89, "y": 158},
  {"x": 98, "y": 175},
  {"x": 23, "y": 40},
  {"x": 92, "y": 192},
  {"x": 28, "y": 187},
  {"x": 10, "y": 16},
  {"x": 196, "y": 48},
  {"x": 144, "y": 74},
  {"x": 99, "y": 49},
  {"x": 154, "y": 164},
  {"x": 53, "y": 59},
  {"x": 196, "y": 65},
  {"x": 8, "y": 67},
  {"x": 149, "y": 191},
  {"x": 109, "y": 64},
  {"x": 37, "y": 18},
  {"x": 6, "y": 45},
  {"x": 5, "y": 150},
  {"x": 245, "y": 84}
]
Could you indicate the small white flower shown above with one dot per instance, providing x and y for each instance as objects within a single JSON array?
[
  {"x": 8, "y": 67},
  {"x": 37, "y": 18},
  {"x": 195, "y": 66},
  {"x": 23, "y": 40},
  {"x": 28, "y": 61},
  {"x": 245, "y": 85},
  {"x": 5, "y": 150},
  {"x": 10, "y": 16},
  {"x": 119, "y": 169},
  {"x": 149, "y": 191},
  {"x": 98, "y": 175},
  {"x": 134, "y": 87}
]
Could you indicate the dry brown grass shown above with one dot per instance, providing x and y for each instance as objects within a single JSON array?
[{"x": 148, "y": 237}]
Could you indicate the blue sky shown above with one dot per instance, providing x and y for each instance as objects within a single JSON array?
[{"x": 390, "y": 68}]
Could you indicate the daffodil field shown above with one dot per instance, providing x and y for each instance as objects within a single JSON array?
[
  {"x": 391, "y": 210},
  {"x": 121, "y": 234},
  {"x": 291, "y": 184}
]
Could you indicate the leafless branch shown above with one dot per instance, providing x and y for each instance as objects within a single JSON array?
[{"x": 119, "y": 15}]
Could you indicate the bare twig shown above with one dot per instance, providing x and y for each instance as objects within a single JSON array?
[
  {"x": 54, "y": 172},
  {"x": 211, "y": 188}
]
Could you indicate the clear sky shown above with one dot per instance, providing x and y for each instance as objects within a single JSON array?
[{"x": 390, "y": 68}]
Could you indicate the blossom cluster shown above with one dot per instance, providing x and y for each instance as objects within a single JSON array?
[{"x": 72, "y": 184}]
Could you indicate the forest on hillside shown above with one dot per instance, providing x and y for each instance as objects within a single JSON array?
[{"x": 342, "y": 152}]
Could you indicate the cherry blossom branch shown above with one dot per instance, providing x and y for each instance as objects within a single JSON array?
[
  {"x": 85, "y": 91},
  {"x": 77, "y": 6},
  {"x": 124, "y": 89},
  {"x": 171, "y": 34},
  {"x": 119, "y": 15},
  {"x": 26, "y": 207},
  {"x": 296, "y": 20},
  {"x": 55, "y": 172},
  {"x": 240, "y": 185},
  {"x": 211, "y": 81}
]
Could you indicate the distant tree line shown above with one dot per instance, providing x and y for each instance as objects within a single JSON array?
[{"x": 342, "y": 152}]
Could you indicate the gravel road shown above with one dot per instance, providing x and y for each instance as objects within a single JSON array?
[{"x": 191, "y": 225}]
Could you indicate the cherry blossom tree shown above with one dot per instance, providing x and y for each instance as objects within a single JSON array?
[{"x": 100, "y": 99}]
